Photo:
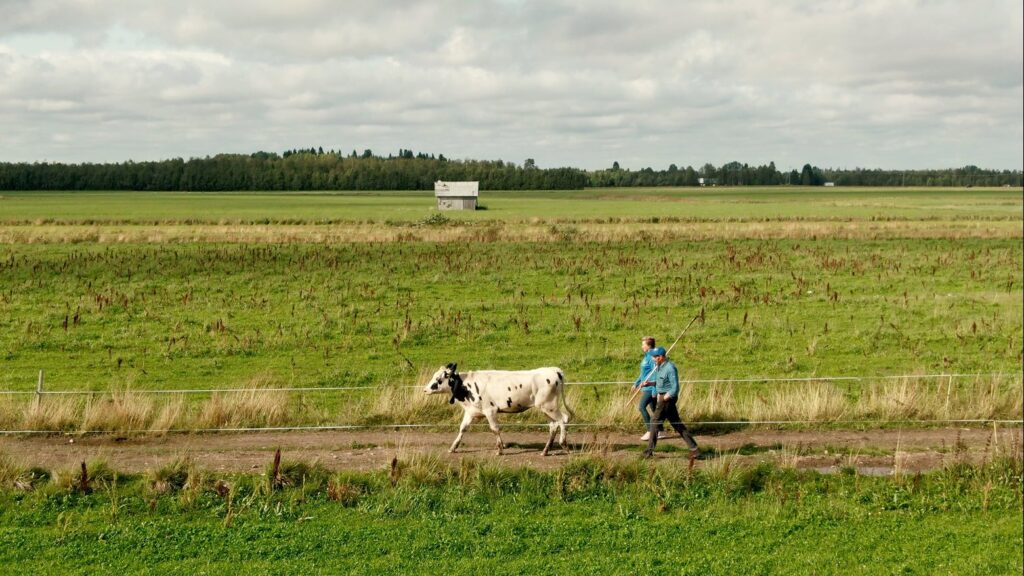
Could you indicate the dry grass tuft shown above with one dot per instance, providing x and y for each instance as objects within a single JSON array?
[
  {"x": 97, "y": 473},
  {"x": 11, "y": 413},
  {"x": 58, "y": 414},
  {"x": 811, "y": 402},
  {"x": 403, "y": 405},
  {"x": 123, "y": 412},
  {"x": 170, "y": 416},
  {"x": 723, "y": 468},
  {"x": 171, "y": 477},
  {"x": 254, "y": 407}
]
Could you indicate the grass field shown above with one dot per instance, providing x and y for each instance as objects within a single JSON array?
[
  {"x": 588, "y": 517},
  {"x": 578, "y": 205},
  {"x": 124, "y": 293},
  {"x": 260, "y": 308}
]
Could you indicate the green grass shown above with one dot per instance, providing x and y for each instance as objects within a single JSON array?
[
  {"x": 590, "y": 517},
  {"x": 207, "y": 316},
  {"x": 938, "y": 288},
  {"x": 923, "y": 295},
  {"x": 629, "y": 203}
]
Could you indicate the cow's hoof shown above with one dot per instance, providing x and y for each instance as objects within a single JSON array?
[{"x": 544, "y": 453}]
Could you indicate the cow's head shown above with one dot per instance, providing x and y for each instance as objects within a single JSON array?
[{"x": 444, "y": 380}]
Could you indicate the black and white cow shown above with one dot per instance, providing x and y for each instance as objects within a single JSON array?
[{"x": 490, "y": 392}]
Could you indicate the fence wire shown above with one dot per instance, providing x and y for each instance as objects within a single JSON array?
[
  {"x": 396, "y": 427},
  {"x": 352, "y": 427},
  {"x": 746, "y": 380}
]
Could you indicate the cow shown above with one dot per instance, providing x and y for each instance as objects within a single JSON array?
[{"x": 490, "y": 392}]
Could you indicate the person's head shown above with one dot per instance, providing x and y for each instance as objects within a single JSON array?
[
  {"x": 647, "y": 343},
  {"x": 659, "y": 355}
]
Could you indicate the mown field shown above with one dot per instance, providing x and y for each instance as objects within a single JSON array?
[
  {"x": 604, "y": 204},
  {"x": 921, "y": 295}
]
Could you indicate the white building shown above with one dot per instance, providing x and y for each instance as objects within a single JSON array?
[{"x": 456, "y": 195}]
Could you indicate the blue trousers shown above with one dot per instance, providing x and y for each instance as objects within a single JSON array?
[{"x": 648, "y": 397}]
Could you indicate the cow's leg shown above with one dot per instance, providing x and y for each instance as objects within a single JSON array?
[
  {"x": 467, "y": 419},
  {"x": 557, "y": 423},
  {"x": 492, "y": 421},
  {"x": 552, "y": 428},
  {"x": 563, "y": 419}
]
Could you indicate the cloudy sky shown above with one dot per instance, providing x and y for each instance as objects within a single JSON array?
[{"x": 890, "y": 84}]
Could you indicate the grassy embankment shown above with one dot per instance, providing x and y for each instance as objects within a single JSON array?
[{"x": 424, "y": 515}]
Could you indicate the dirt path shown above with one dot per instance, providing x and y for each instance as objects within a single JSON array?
[{"x": 872, "y": 451}]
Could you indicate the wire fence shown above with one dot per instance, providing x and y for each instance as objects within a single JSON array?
[
  {"x": 396, "y": 427},
  {"x": 40, "y": 391}
]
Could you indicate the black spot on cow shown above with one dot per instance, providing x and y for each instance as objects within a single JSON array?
[
  {"x": 509, "y": 402},
  {"x": 492, "y": 404},
  {"x": 459, "y": 390},
  {"x": 548, "y": 380},
  {"x": 509, "y": 388}
]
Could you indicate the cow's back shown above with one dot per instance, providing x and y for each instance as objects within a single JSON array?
[{"x": 514, "y": 390}]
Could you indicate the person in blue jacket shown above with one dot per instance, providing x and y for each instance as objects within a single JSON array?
[
  {"x": 645, "y": 381},
  {"x": 666, "y": 378}
]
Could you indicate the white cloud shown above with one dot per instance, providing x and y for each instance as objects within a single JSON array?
[{"x": 891, "y": 84}]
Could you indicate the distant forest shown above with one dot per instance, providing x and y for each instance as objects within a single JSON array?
[{"x": 315, "y": 169}]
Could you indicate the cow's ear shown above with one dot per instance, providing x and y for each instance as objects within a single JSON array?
[
  {"x": 454, "y": 366},
  {"x": 448, "y": 365}
]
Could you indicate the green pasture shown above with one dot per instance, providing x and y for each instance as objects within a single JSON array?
[
  {"x": 186, "y": 314},
  {"x": 588, "y": 517},
  {"x": 208, "y": 315},
  {"x": 590, "y": 204}
]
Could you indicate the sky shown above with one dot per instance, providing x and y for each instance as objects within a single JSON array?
[{"x": 899, "y": 84}]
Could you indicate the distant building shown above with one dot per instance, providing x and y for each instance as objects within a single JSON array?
[
  {"x": 456, "y": 195},
  {"x": 830, "y": 183}
]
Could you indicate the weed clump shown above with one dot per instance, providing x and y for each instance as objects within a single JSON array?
[
  {"x": 435, "y": 220},
  {"x": 171, "y": 477},
  {"x": 85, "y": 478},
  {"x": 20, "y": 478}
]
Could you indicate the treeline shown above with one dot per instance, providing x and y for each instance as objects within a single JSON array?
[
  {"x": 311, "y": 169},
  {"x": 736, "y": 174},
  {"x": 315, "y": 169}
]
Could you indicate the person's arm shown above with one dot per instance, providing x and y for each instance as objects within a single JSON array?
[
  {"x": 673, "y": 383},
  {"x": 645, "y": 371}
]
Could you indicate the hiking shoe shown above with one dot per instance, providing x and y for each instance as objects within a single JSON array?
[{"x": 646, "y": 436}]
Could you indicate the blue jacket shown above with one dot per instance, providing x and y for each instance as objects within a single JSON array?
[
  {"x": 646, "y": 370},
  {"x": 667, "y": 378}
]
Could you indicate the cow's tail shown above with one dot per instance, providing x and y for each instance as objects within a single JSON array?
[{"x": 561, "y": 393}]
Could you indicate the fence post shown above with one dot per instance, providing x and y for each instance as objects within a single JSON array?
[{"x": 39, "y": 388}]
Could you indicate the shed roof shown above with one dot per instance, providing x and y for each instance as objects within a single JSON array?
[{"x": 460, "y": 189}]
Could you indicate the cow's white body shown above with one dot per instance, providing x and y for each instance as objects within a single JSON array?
[{"x": 490, "y": 392}]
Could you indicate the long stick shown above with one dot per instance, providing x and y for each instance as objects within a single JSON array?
[{"x": 667, "y": 352}]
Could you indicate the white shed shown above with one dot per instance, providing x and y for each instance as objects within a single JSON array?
[{"x": 456, "y": 195}]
